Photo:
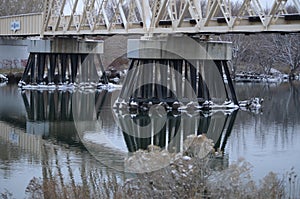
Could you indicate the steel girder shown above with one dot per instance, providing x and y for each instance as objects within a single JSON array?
[{"x": 148, "y": 17}]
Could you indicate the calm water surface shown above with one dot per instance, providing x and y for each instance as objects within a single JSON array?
[{"x": 39, "y": 138}]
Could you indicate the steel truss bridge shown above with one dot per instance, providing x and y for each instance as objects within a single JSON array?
[{"x": 148, "y": 17}]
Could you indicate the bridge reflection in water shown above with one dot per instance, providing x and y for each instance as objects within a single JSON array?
[
  {"x": 47, "y": 143},
  {"x": 52, "y": 137},
  {"x": 50, "y": 114},
  {"x": 169, "y": 130}
]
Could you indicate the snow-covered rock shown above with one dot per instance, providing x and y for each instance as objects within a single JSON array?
[
  {"x": 253, "y": 103},
  {"x": 148, "y": 160},
  {"x": 198, "y": 146},
  {"x": 274, "y": 71},
  {"x": 3, "y": 78}
]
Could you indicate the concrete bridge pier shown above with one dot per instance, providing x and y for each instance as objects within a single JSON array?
[
  {"x": 174, "y": 69},
  {"x": 63, "y": 61}
]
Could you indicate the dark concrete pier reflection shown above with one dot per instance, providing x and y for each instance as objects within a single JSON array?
[
  {"x": 49, "y": 114},
  {"x": 169, "y": 130}
]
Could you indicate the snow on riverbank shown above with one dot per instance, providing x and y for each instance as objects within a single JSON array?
[
  {"x": 3, "y": 78},
  {"x": 255, "y": 77}
]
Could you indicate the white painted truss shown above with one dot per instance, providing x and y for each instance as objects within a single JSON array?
[
  {"x": 148, "y": 17},
  {"x": 102, "y": 17}
]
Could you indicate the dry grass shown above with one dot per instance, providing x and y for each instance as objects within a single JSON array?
[
  {"x": 11, "y": 70},
  {"x": 185, "y": 178},
  {"x": 188, "y": 176}
]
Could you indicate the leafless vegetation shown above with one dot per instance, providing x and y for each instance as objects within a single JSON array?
[
  {"x": 185, "y": 178},
  {"x": 191, "y": 175},
  {"x": 13, "y": 7},
  {"x": 261, "y": 52}
]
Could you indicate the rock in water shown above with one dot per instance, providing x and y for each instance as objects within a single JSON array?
[
  {"x": 198, "y": 146},
  {"x": 148, "y": 160},
  {"x": 253, "y": 103}
]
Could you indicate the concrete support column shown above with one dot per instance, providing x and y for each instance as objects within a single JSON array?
[{"x": 177, "y": 68}]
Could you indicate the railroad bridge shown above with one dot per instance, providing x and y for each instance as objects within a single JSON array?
[{"x": 174, "y": 60}]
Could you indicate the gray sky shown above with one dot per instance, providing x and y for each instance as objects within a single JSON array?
[
  {"x": 264, "y": 3},
  {"x": 267, "y": 3},
  {"x": 68, "y": 7}
]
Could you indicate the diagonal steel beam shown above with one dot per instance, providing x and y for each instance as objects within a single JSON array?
[
  {"x": 195, "y": 10},
  {"x": 211, "y": 10},
  {"x": 146, "y": 14},
  {"x": 46, "y": 15},
  {"x": 90, "y": 14},
  {"x": 132, "y": 15},
  {"x": 118, "y": 15},
  {"x": 277, "y": 8},
  {"x": 161, "y": 10},
  {"x": 253, "y": 8},
  {"x": 123, "y": 16},
  {"x": 101, "y": 15},
  {"x": 172, "y": 10},
  {"x": 297, "y": 5},
  {"x": 184, "y": 8},
  {"x": 72, "y": 15},
  {"x": 60, "y": 10}
]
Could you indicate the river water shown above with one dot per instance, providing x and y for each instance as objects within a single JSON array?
[{"x": 42, "y": 137}]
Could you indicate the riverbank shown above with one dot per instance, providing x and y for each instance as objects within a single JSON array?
[
  {"x": 114, "y": 76},
  {"x": 259, "y": 77},
  {"x": 11, "y": 75}
]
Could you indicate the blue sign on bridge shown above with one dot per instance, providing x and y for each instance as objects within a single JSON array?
[{"x": 15, "y": 25}]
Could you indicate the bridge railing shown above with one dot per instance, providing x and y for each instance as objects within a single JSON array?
[{"x": 21, "y": 25}]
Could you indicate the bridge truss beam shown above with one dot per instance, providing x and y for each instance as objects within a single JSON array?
[{"x": 102, "y": 17}]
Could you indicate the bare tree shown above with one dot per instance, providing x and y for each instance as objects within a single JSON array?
[
  {"x": 287, "y": 49},
  {"x": 13, "y": 7},
  {"x": 291, "y": 9},
  {"x": 265, "y": 53},
  {"x": 243, "y": 58},
  {"x": 261, "y": 52}
]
